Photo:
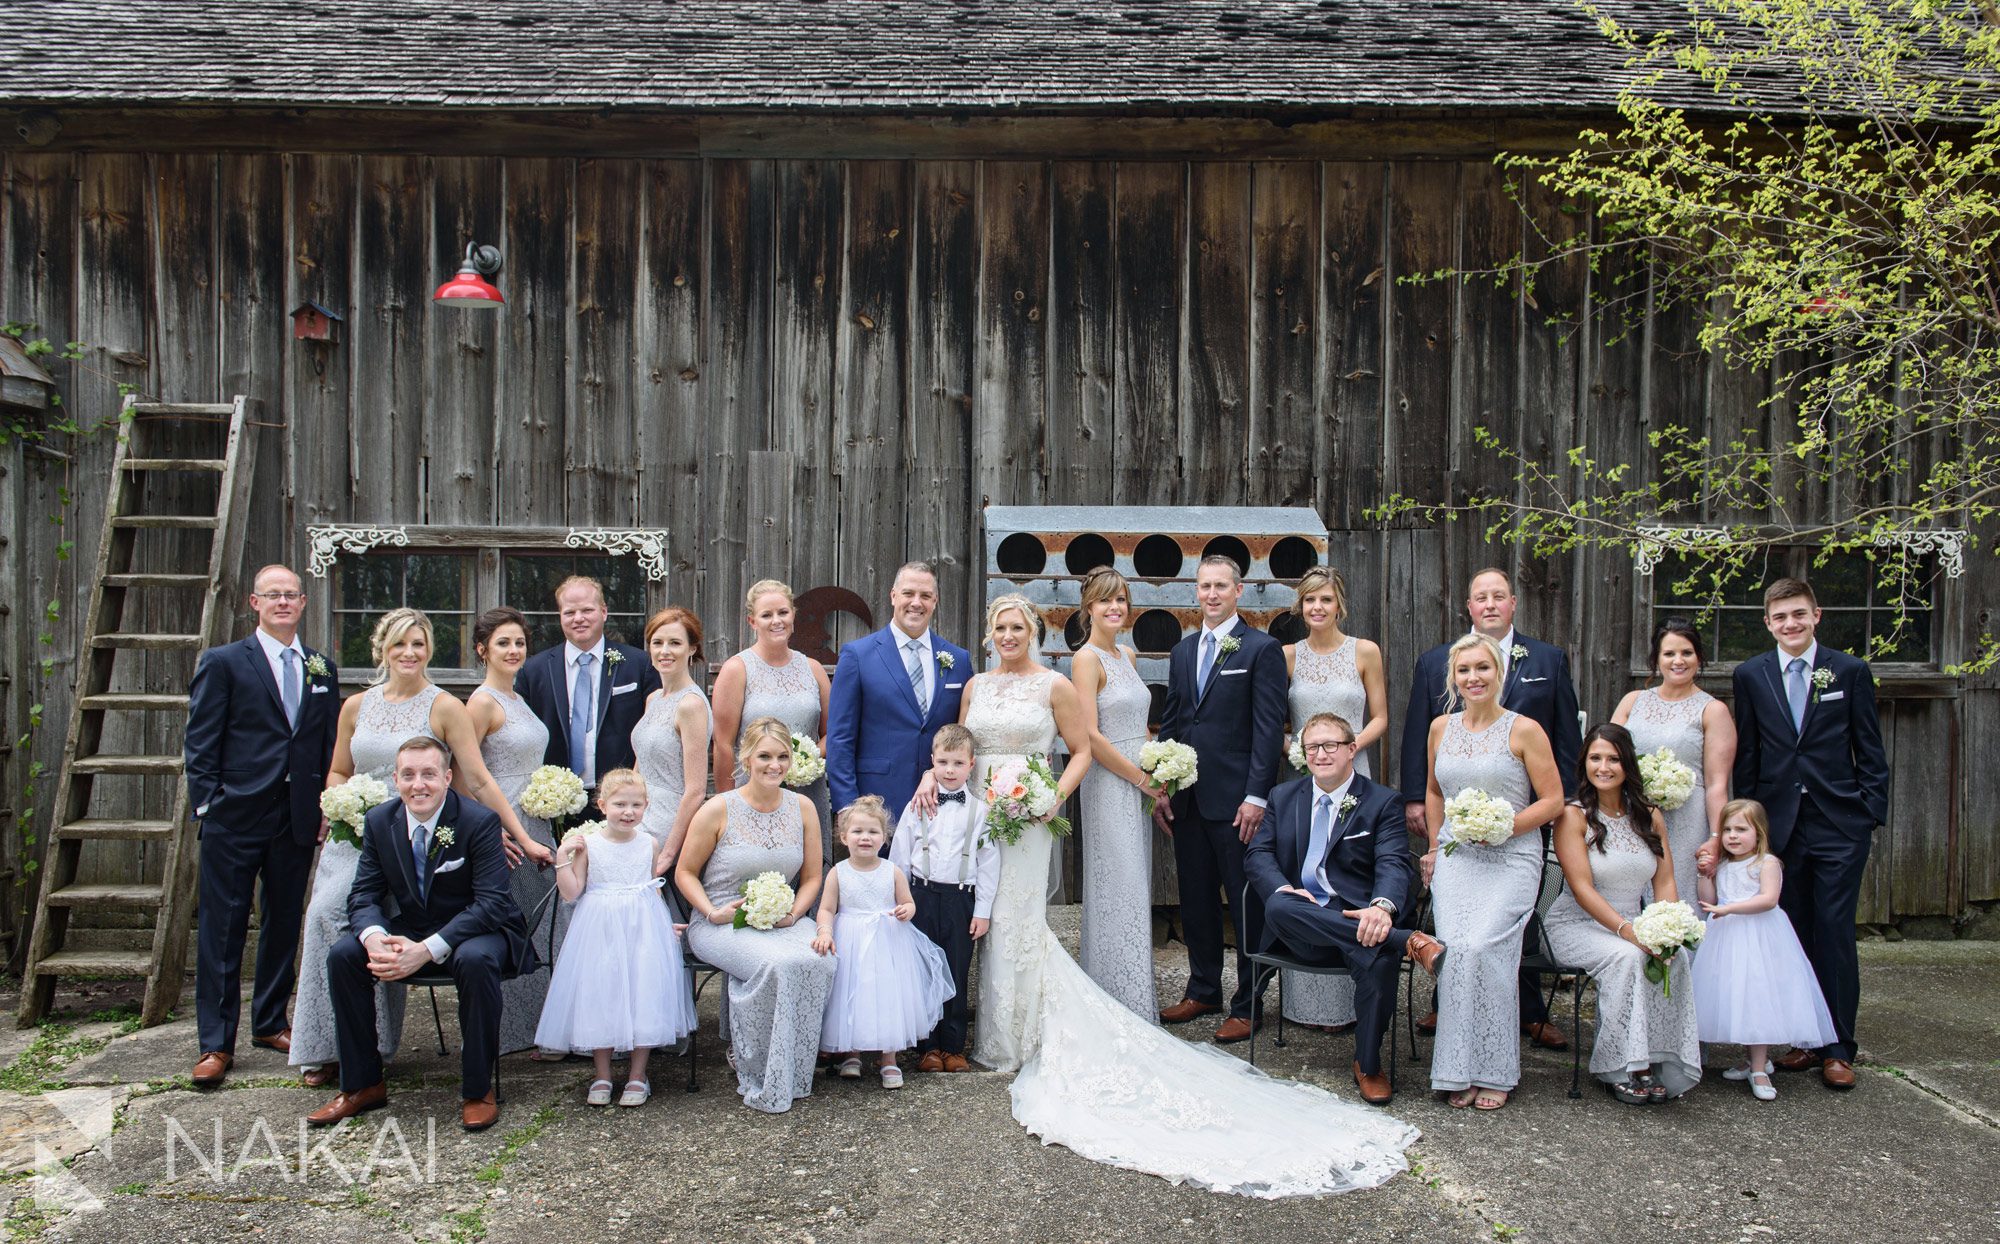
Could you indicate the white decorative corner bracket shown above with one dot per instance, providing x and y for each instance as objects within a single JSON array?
[
  {"x": 330, "y": 540},
  {"x": 1948, "y": 544},
  {"x": 649, "y": 546}
]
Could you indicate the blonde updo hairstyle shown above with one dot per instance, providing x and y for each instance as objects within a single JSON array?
[
  {"x": 764, "y": 587},
  {"x": 866, "y": 808},
  {"x": 1465, "y": 642},
  {"x": 1011, "y": 602},
  {"x": 761, "y": 729},
  {"x": 390, "y": 630},
  {"x": 1324, "y": 579}
]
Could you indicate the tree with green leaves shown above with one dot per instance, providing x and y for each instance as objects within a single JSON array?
[{"x": 1832, "y": 218}]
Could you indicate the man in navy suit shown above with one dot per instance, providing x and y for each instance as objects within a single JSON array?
[
  {"x": 1331, "y": 865},
  {"x": 431, "y": 887},
  {"x": 590, "y": 692},
  {"x": 262, "y": 714},
  {"x": 891, "y": 692},
  {"x": 1809, "y": 748},
  {"x": 1537, "y": 685},
  {"x": 1226, "y": 688}
]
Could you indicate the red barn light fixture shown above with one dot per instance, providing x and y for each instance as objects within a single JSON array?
[{"x": 471, "y": 287}]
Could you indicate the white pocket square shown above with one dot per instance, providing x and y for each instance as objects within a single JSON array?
[
  {"x": 442, "y": 869},
  {"x": 630, "y": 686},
  {"x": 1834, "y": 695},
  {"x": 1535, "y": 678},
  {"x": 320, "y": 690},
  {"x": 1231, "y": 673},
  {"x": 1359, "y": 833},
  {"x": 953, "y": 686}
]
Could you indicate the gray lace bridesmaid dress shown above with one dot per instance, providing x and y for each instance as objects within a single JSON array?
[
  {"x": 1117, "y": 949},
  {"x": 1325, "y": 683},
  {"x": 777, "y": 985},
  {"x": 790, "y": 693},
  {"x": 1655, "y": 723},
  {"x": 1638, "y": 1025},
  {"x": 656, "y": 754},
  {"x": 379, "y": 729},
  {"x": 1481, "y": 898},
  {"x": 512, "y": 754}
]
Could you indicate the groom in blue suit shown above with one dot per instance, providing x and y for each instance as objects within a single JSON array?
[
  {"x": 262, "y": 714},
  {"x": 1331, "y": 868},
  {"x": 1226, "y": 688},
  {"x": 891, "y": 692}
]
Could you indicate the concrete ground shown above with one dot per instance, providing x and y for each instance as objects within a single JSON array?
[{"x": 127, "y": 1151}]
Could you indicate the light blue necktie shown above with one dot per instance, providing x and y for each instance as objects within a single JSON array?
[
  {"x": 420, "y": 842},
  {"x": 291, "y": 688},
  {"x": 915, "y": 663},
  {"x": 1322, "y": 829},
  {"x": 581, "y": 712},
  {"x": 1207, "y": 663},
  {"x": 1795, "y": 691}
]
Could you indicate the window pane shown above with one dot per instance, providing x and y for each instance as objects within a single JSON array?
[
  {"x": 368, "y": 583},
  {"x": 1843, "y": 581},
  {"x": 438, "y": 582},
  {"x": 368, "y": 586},
  {"x": 528, "y": 581},
  {"x": 1845, "y": 629},
  {"x": 351, "y": 646},
  {"x": 1913, "y": 644},
  {"x": 1743, "y": 635}
]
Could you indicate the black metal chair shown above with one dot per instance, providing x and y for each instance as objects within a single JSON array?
[
  {"x": 437, "y": 976},
  {"x": 700, "y": 973},
  {"x": 1263, "y": 964},
  {"x": 1545, "y": 961}
]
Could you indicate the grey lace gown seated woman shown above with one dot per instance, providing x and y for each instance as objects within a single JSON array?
[
  {"x": 778, "y": 985},
  {"x": 1612, "y": 845}
]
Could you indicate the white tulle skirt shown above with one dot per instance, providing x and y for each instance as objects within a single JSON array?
[
  {"x": 1115, "y": 1089},
  {"x": 620, "y": 982},
  {"x": 890, "y": 984},
  {"x": 1753, "y": 985}
]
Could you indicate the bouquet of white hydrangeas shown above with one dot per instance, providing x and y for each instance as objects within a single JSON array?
[
  {"x": 1668, "y": 781},
  {"x": 552, "y": 793},
  {"x": 584, "y": 830},
  {"x": 767, "y": 899},
  {"x": 346, "y": 806},
  {"x": 1171, "y": 764},
  {"x": 1296, "y": 753},
  {"x": 1664, "y": 928},
  {"x": 807, "y": 763},
  {"x": 1021, "y": 793},
  {"x": 1475, "y": 816}
]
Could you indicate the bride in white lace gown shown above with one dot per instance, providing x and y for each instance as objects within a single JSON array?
[{"x": 1094, "y": 1077}]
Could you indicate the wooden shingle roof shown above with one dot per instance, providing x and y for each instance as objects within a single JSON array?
[{"x": 818, "y": 55}]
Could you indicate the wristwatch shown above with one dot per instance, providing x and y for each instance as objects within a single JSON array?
[{"x": 1385, "y": 905}]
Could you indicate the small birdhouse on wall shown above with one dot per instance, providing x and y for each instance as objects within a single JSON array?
[{"x": 312, "y": 322}]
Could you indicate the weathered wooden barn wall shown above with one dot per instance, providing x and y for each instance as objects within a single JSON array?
[{"x": 816, "y": 368}]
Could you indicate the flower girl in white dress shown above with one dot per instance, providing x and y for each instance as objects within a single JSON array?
[
  {"x": 620, "y": 982},
  {"x": 1753, "y": 985},
  {"x": 890, "y": 982}
]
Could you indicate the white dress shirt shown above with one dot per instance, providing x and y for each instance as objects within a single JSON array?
[
  {"x": 439, "y": 948},
  {"x": 587, "y": 768},
  {"x": 274, "y": 652},
  {"x": 1221, "y": 631},
  {"x": 1810, "y": 656},
  {"x": 935, "y": 849},
  {"x": 929, "y": 658}
]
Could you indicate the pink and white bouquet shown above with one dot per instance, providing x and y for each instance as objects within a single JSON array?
[{"x": 1022, "y": 793}]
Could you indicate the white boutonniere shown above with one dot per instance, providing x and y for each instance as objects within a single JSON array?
[
  {"x": 1519, "y": 652},
  {"x": 442, "y": 839},
  {"x": 1229, "y": 644},
  {"x": 316, "y": 666},
  {"x": 1821, "y": 680},
  {"x": 613, "y": 657},
  {"x": 945, "y": 661},
  {"x": 1349, "y": 804}
]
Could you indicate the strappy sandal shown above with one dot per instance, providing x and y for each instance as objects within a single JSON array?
[
  {"x": 1461, "y": 1099},
  {"x": 599, "y": 1094},
  {"x": 1656, "y": 1092},
  {"x": 637, "y": 1093},
  {"x": 1489, "y": 1099},
  {"x": 1631, "y": 1092}
]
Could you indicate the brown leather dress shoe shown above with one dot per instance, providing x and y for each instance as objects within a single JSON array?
[
  {"x": 1235, "y": 1029},
  {"x": 1374, "y": 1088},
  {"x": 932, "y": 1060},
  {"x": 1186, "y": 1009},
  {"x": 320, "y": 1076},
  {"x": 347, "y": 1105},
  {"x": 479, "y": 1113},
  {"x": 280, "y": 1041},
  {"x": 1798, "y": 1060},
  {"x": 1546, "y": 1035},
  {"x": 1837, "y": 1073},
  {"x": 956, "y": 1062},
  {"x": 1425, "y": 951},
  {"x": 211, "y": 1067}
]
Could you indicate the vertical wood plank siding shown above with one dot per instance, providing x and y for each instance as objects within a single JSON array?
[{"x": 815, "y": 369}]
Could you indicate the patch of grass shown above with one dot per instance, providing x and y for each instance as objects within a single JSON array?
[
  {"x": 358, "y": 1196},
  {"x": 1501, "y": 1231},
  {"x": 55, "y": 1047},
  {"x": 136, "y": 1188},
  {"x": 468, "y": 1226},
  {"x": 516, "y": 1141}
]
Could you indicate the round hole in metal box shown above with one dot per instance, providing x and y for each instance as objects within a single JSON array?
[
  {"x": 1087, "y": 552},
  {"x": 1232, "y": 548},
  {"x": 1074, "y": 630},
  {"x": 1287, "y": 629},
  {"x": 1292, "y": 557},
  {"x": 1021, "y": 553},
  {"x": 1158, "y": 557},
  {"x": 1156, "y": 631}
]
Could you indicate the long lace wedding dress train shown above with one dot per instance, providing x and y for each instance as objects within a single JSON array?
[{"x": 1101, "y": 1081}]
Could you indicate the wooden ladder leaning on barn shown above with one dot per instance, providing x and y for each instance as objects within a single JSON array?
[{"x": 132, "y": 587}]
